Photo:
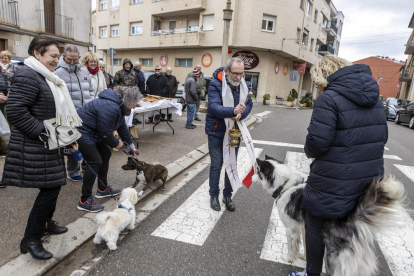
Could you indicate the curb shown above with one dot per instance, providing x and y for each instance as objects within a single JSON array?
[{"x": 81, "y": 230}]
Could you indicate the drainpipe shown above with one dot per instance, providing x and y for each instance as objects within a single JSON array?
[{"x": 227, "y": 16}]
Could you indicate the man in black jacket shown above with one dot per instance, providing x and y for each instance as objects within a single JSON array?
[
  {"x": 172, "y": 89},
  {"x": 157, "y": 85},
  {"x": 140, "y": 76}
]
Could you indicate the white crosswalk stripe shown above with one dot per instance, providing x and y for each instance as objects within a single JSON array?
[
  {"x": 194, "y": 220},
  {"x": 263, "y": 114}
]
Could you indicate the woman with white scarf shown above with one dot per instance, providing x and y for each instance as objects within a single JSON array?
[
  {"x": 36, "y": 95},
  {"x": 91, "y": 62}
]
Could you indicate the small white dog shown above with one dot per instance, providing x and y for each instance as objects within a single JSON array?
[{"x": 110, "y": 224}]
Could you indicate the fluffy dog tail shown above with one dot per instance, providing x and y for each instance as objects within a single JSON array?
[
  {"x": 103, "y": 217},
  {"x": 350, "y": 242}
]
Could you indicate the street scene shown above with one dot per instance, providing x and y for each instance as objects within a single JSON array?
[{"x": 206, "y": 137}]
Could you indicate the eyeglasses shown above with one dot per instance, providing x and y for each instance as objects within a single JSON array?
[
  {"x": 68, "y": 60},
  {"x": 157, "y": 69},
  {"x": 237, "y": 74}
]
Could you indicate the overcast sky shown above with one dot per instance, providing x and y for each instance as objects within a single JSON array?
[{"x": 374, "y": 27}]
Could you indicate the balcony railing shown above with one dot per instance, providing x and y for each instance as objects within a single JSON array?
[
  {"x": 407, "y": 72},
  {"x": 330, "y": 25},
  {"x": 56, "y": 24},
  {"x": 176, "y": 31},
  {"x": 9, "y": 12},
  {"x": 327, "y": 48}
]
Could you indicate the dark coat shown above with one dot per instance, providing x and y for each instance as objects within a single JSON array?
[
  {"x": 125, "y": 77},
  {"x": 28, "y": 163},
  {"x": 172, "y": 86},
  {"x": 216, "y": 112},
  {"x": 141, "y": 80},
  {"x": 347, "y": 135},
  {"x": 3, "y": 84},
  {"x": 101, "y": 117},
  {"x": 191, "y": 91},
  {"x": 157, "y": 85}
]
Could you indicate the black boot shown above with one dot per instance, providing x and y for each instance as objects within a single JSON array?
[
  {"x": 35, "y": 248},
  {"x": 53, "y": 228},
  {"x": 215, "y": 204},
  {"x": 229, "y": 203}
]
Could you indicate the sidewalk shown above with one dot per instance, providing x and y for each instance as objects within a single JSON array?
[{"x": 155, "y": 147}]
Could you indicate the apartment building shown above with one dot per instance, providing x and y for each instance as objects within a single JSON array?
[
  {"x": 68, "y": 22},
  {"x": 407, "y": 77},
  {"x": 273, "y": 37}
]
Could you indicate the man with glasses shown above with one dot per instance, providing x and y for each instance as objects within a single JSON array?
[
  {"x": 216, "y": 127},
  {"x": 201, "y": 90},
  {"x": 81, "y": 91},
  {"x": 157, "y": 84}
]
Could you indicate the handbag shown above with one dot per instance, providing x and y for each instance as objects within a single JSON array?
[{"x": 60, "y": 136}]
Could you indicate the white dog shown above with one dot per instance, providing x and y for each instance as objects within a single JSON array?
[{"x": 110, "y": 224}]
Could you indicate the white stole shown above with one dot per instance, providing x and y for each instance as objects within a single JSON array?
[{"x": 229, "y": 153}]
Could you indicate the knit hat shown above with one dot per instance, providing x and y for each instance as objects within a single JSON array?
[{"x": 196, "y": 72}]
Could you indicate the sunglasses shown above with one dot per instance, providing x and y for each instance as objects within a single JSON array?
[{"x": 157, "y": 69}]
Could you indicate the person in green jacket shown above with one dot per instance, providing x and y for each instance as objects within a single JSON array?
[{"x": 201, "y": 90}]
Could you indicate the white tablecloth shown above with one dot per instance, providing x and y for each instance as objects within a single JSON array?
[{"x": 152, "y": 108}]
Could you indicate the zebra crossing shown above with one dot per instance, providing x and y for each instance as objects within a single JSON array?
[{"x": 193, "y": 221}]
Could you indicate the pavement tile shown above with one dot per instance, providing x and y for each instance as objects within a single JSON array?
[
  {"x": 185, "y": 161},
  {"x": 203, "y": 148},
  {"x": 174, "y": 169},
  {"x": 155, "y": 201}
]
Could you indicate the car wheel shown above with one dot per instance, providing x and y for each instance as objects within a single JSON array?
[
  {"x": 411, "y": 125},
  {"x": 397, "y": 119}
]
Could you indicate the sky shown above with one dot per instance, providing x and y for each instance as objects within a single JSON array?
[{"x": 374, "y": 27}]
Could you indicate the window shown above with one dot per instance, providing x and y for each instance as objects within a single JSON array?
[
  {"x": 297, "y": 35},
  {"x": 114, "y": 4},
  {"x": 315, "y": 19},
  {"x": 136, "y": 28},
  {"x": 311, "y": 46},
  {"x": 103, "y": 5},
  {"x": 115, "y": 31},
  {"x": 184, "y": 62},
  {"x": 268, "y": 23},
  {"x": 136, "y": 1},
  {"x": 103, "y": 32},
  {"x": 208, "y": 22},
  {"x": 308, "y": 9},
  {"x": 173, "y": 24},
  {"x": 157, "y": 25},
  {"x": 146, "y": 61},
  {"x": 305, "y": 39},
  {"x": 117, "y": 61},
  {"x": 193, "y": 25}
]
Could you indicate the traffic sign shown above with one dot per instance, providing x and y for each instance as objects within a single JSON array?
[
  {"x": 111, "y": 53},
  {"x": 293, "y": 75}
]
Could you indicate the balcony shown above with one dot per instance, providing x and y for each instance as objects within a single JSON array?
[
  {"x": 56, "y": 24},
  {"x": 407, "y": 73},
  {"x": 175, "y": 31},
  {"x": 326, "y": 49},
  {"x": 330, "y": 28},
  {"x": 175, "y": 38},
  {"x": 9, "y": 13},
  {"x": 178, "y": 7},
  {"x": 409, "y": 49}
]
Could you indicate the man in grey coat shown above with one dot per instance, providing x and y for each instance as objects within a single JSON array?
[
  {"x": 81, "y": 91},
  {"x": 191, "y": 98}
]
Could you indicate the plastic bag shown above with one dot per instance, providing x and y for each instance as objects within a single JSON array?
[{"x": 4, "y": 126}]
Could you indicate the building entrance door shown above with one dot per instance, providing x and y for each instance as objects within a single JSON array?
[
  {"x": 252, "y": 81},
  {"x": 49, "y": 11},
  {"x": 2, "y": 45}
]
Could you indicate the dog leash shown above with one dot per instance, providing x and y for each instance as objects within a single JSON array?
[{"x": 131, "y": 150}]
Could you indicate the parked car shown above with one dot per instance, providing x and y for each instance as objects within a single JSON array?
[
  {"x": 393, "y": 105},
  {"x": 180, "y": 95},
  {"x": 406, "y": 115},
  {"x": 207, "y": 79}
]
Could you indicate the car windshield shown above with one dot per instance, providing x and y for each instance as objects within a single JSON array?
[{"x": 398, "y": 102}]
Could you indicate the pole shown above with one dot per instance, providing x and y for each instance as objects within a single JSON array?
[
  {"x": 228, "y": 14},
  {"x": 112, "y": 64}
]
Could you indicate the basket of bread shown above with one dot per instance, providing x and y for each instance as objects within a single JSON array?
[{"x": 153, "y": 98}]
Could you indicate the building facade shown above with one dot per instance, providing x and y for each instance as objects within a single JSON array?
[
  {"x": 407, "y": 76},
  {"x": 272, "y": 36},
  {"x": 68, "y": 22}
]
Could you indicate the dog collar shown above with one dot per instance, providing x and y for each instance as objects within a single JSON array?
[
  {"x": 278, "y": 193},
  {"x": 123, "y": 207}
]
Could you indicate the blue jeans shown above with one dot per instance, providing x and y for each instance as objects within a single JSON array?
[
  {"x": 190, "y": 114},
  {"x": 215, "y": 147}
]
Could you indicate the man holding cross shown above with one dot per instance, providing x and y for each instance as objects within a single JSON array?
[{"x": 225, "y": 108}]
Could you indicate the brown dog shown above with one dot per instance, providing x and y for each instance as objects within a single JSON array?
[{"x": 146, "y": 172}]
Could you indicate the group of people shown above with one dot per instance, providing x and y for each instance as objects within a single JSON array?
[{"x": 348, "y": 149}]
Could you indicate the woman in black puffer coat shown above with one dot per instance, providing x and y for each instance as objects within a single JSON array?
[{"x": 29, "y": 163}]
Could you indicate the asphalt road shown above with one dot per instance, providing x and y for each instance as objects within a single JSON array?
[{"x": 234, "y": 245}]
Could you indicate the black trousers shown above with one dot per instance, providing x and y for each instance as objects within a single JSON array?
[
  {"x": 315, "y": 247},
  {"x": 97, "y": 157},
  {"x": 42, "y": 210}
]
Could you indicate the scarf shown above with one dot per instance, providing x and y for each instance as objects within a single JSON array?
[
  {"x": 93, "y": 71},
  {"x": 66, "y": 114},
  {"x": 229, "y": 153}
]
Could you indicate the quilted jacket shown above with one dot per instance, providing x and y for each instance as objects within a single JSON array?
[{"x": 346, "y": 136}]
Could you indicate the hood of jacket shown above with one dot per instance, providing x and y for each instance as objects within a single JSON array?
[
  {"x": 355, "y": 83},
  {"x": 63, "y": 64},
  {"x": 127, "y": 60},
  {"x": 109, "y": 94},
  {"x": 218, "y": 74}
]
